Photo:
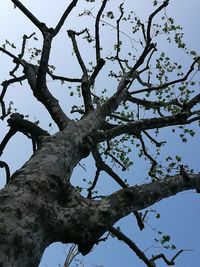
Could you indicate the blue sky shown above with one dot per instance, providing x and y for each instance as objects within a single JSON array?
[{"x": 180, "y": 215}]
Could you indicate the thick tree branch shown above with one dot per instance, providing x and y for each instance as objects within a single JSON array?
[
  {"x": 97, "y": 69},
  {"x": 43, "y": 67},
  {"x": 136, "y": 127},
  {"x": 29, "y": 15},
  {"x": 18, "y": 122},
  {"x": 150, "y": 20},
  {"x": 86, "y": 93},
  {"x": 6, "y": 139},
  {"x": 136, "y": 198},
  {"x": 194, "y": 101},
  {"x": 46, "y": 98},
  {"x": 30, "y": 129},
  {"x": 40, "y": 89}
]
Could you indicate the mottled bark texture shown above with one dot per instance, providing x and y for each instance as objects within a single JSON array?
[{"x": 39, "y": 206}]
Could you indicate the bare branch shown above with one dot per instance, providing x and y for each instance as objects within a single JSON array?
[
  {"x": 17, "y": 123},
  {"x": 97, "y": 38},
  {"x": 72, "y": 35},
  {"x": 168, "y": 262},
  {"x": 64, "y": 17},
  {"x": 86, "y": 83},
  {"x": 101, "y": 165},
  {"x": 118, "y": 117},
  {"x": 94, "y": 183},
  {"x": 7, "y": 169},
  {"x": 113, "y": 157},
  {"x": 151, "y": 17},
  {"x": 167, "y": 84},
  {"x": 131, "y": 245},
  {"x": 97, "y": 69},
  {"x": 143, "y": 31},
  {"x": 197, "y": 118},
  {"x": 158, "y": 144},
  {"x": 152, "y": 104},
  {"x": 153, "y": 161},
  {"x": 15, "y": 59},
  {"x": 46, "y": 98},
  {"x": 20, "y": 56},
  {"x": 3, "y": 110},
  {"x": 29, "y": 15},
  {"x": 113, "y": 102},
  {"x": 62, "y": 78},
  {"x": 118, "y": 37},
  {"x": 149, "y": 46},
  {"x": 43, "y": 67},
  {"x": 6, "y": 83}
]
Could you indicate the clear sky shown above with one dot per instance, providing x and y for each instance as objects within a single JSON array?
[{"x": 180, "y": 215}]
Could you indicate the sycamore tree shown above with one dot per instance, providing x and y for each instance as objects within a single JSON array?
[{"x": 119, "y": 103}]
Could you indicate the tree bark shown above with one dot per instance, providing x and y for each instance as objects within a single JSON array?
[{"x": 40, "y": 206}]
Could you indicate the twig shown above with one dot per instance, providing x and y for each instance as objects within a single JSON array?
[
  {"x": 168, "y": 262},
  {"x": 20, "y": 56},
  {"x": 153, "y": 161},
  {"x": 118, "y": 37},
  {"x": 62, "y": 78},
  {"x": 168, "y": 84},
  {"x": 94, "y": 183},
  {"x": 132, "y": 245}
]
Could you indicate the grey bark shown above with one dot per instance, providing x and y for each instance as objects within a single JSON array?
[{"x": 40, "y": 206}]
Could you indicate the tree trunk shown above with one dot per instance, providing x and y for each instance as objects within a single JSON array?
[{"x": 39, "y": 206}]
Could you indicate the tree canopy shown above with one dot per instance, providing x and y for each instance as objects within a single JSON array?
[{"x": 104, "y": 92}]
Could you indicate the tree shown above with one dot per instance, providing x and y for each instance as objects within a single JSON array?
[{"x": 39, "y": 205}]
